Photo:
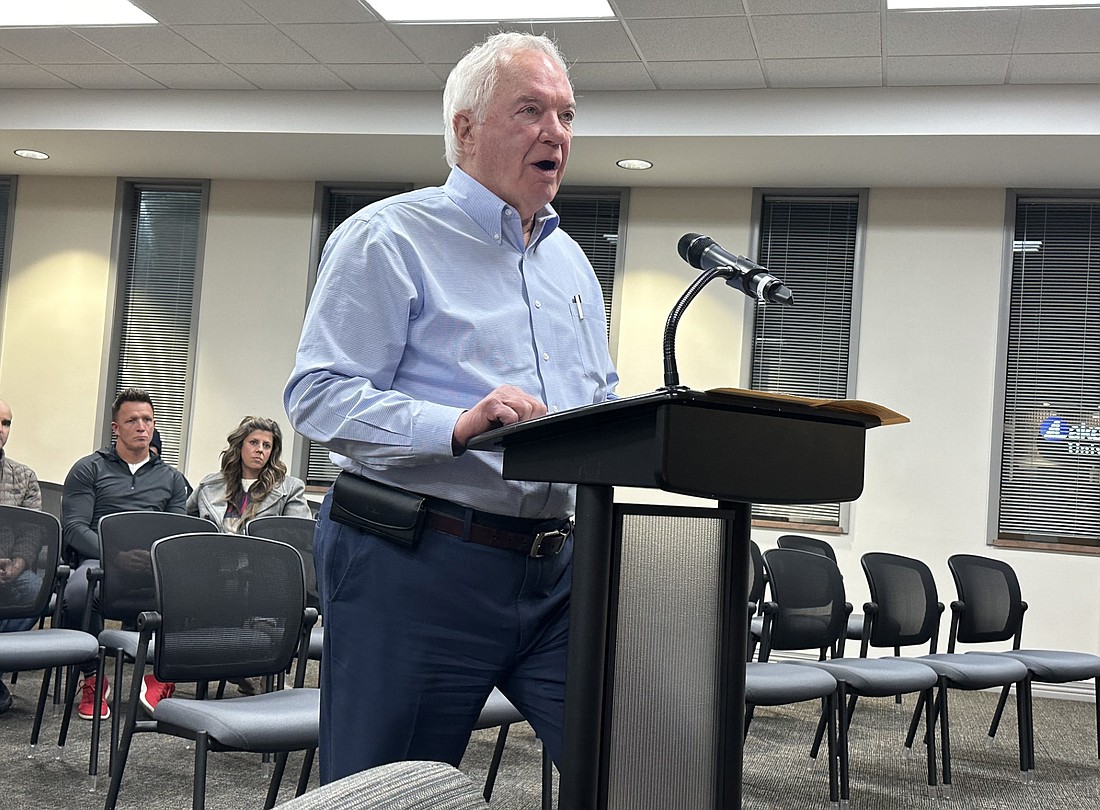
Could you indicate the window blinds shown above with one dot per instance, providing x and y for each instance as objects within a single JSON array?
[
  {"x": 154, "y": 340},
  {"x": 1050, "y": 451},
  {"x": 809, "y": 243}
]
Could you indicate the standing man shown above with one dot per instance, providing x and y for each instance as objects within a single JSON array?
[
  {"x": 438, "y": 315},
  {"x": 18, "y": 487},
  {"x": 121, "y": 478}
]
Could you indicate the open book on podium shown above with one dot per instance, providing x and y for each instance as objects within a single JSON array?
[{"x": 727, "y": 443}]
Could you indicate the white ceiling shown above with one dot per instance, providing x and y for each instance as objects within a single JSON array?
[{"x": 322, "y": 89}]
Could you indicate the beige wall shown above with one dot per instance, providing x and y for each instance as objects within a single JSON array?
[{"x": 927, "y": 347}]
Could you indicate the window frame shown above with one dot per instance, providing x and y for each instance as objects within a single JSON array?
[
  {"x": 861, "y": 196},
  {"x": 125, "y": 224},
  {"x": 1013, "y": 197},
  {"x": 7, "y": 204}
]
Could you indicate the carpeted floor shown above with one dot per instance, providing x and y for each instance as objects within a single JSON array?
[{"x": 777, "y": 773}]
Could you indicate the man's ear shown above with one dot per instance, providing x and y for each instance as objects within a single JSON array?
[{"x": 464, "y": 130}]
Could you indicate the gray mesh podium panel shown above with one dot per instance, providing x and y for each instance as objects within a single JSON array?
[{"x": 664, "y": 728}]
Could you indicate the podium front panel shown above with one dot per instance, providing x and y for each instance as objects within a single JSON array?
[{"x": 664, "y": 740}]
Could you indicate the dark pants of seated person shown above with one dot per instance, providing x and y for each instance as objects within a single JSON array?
[
  {"x": 72, "y": 607},
  {"x": 416, "y": 639}
]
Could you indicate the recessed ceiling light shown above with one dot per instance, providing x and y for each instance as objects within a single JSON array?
[
  {"x": 485, "y": 10},
  {"x": 926, "y": 5},
  {"x": 634, "y": 164},
  {"x": 32, "y": 154},
  {"x": 73, "y": 12}
]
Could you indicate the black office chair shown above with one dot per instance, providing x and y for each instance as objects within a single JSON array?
[
  {"x": 815, "y": 545},
  {"x": 228, "y": 606},
  {"x": 37, "y": 535},
  {"x": 123, "y": 581},
  {"x": 990, "y": 609},
  {"x": 904, "y": 611},
  {"x": 51, "y": 497},
  {"x": 758, "y": 585},
  {"x": 808, "y": 611}
]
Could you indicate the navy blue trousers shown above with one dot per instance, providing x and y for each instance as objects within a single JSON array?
[{"x": 416, "y": 639}]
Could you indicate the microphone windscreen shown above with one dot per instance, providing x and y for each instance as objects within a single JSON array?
[{"x": 685, "y": 245}]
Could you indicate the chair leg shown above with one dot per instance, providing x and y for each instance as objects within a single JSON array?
[
  {"x": 842, "y": 738},
  {"x": 276, "y": 779},
  {"x": 97, "y": 722},
  {"x": 1096, "y": 686},
  {"x": 307, "y": 768},
  {"x": 749, "y": 709},
  {"x": 66, "y": 718},
  {"x": 116, "y": 720},
  {"x": 1026, "y": 705},
  {"x": 930, "y": 726},
  {"x": 198, "y": 796},
  {"x": 547, "y": 781},
  {"x": 914, "y": 723},
  {"x": 996, "y": 722},
  {"x": 119, "y": 755},
  {"x": 945, "y": 737},
  {"x": 494, "y": 764},
  {"x": 43, "y": 694},
  {"x": 828, "y": 710}
]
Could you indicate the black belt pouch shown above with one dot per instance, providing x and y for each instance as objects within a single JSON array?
[{"x": 369, "y": 506}]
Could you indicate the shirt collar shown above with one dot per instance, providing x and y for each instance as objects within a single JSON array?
[{"x": 492, "y": 214}]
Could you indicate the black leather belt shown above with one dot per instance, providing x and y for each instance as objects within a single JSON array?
[{"x": 536, "y": 538}]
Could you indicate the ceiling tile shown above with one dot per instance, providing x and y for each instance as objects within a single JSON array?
[
  {"x": 443, "y": 44},
  {"x": 799, "y": 36},
  {"x": 593, "y": 76},
  {"x": 730, "y": 75},
  {"x": 136, "y": 45},
  {"x": 646, "y": 9},
  {"x": 245, "y": 44},
  {"x": 290, "y": 77},
  {"x": 9, "y": 58},
  {"x": 197, "y": 77},
  {"x": 105, "y": 77},
  {"x": 1069, "y": 68},
  {"x": 350, "y": 43},
  {"x": 54, "y": 46},
  {"x": 205, "y": 12},
  {"x": 592, "y": 41},
  {"x": 816, "y": 6},
  {"x": 1059, "y": 30},
  {"x": 925, "y": 71},
  {"x": 389, "y": 77},
  {"x": 853, "y": 72},
  {"x": 314, "y": 11},
  {"x": 950, "y": 32},
  {"x": 30, "y": 77},
  {"x": 716, "y": 38}
]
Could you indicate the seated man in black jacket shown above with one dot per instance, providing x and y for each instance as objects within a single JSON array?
[{"x": 122, "y": 478}]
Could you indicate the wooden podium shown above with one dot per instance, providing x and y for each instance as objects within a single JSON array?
[{"x": 654, "y": 715}]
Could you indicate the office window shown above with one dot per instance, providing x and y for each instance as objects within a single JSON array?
[
  {"x": 811, "y": 244},
  {"x": 7, "y": 201},
  {"x": 1049, "y": 489},
  {"x": 163, "y": 227},
  {"x": 592, "y": 219}
]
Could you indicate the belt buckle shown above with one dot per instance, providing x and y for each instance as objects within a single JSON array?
[{"x": 547, "y": 544}]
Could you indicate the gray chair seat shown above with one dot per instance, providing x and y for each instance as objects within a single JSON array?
[
  {"x": 276, "y": 721},
  {"x": 879, "y": 677},
  {"x": 975, "y": 670},
  {"x": 44, "y": 649},
  {"x": 779, "y": 684},
  {"x": 1057, "y": 666},
  {"x": 125, "y": 640},
  {"x": 398, "y": 786}
]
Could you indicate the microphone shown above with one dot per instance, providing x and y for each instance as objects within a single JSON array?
[{"x": 703, "y": 253}]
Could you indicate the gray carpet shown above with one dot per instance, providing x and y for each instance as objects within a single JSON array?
[{"x": 778, "y": 772}]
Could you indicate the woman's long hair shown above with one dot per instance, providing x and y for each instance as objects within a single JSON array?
[{"x": 271, "y": 476}]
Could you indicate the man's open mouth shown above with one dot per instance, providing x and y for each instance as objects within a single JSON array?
[{"x": 547, "y": 165}]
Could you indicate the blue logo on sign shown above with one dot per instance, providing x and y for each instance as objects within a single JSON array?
[{"x": 1054, "y": 429}]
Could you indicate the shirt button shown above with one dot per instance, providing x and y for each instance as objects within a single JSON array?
[
  {"x": 546, "y": 355},
  {"x": 496, "y": 236},
  {"x": 507, "y": 212},
  {"x": 538, "y": 304}
]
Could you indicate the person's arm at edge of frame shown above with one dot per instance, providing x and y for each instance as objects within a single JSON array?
[{"x": 77, "y": 508}]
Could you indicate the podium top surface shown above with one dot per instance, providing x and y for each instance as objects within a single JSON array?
[{"x": 722, "y": 399}]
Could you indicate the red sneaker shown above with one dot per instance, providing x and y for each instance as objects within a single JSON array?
[
  {"x": 87, "y": 700},
  {"x": 154, "y": 691}
]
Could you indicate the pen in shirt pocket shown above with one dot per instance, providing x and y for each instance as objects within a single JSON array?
[{"x": 577, "y": 304}]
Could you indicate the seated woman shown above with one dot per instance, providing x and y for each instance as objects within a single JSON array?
[{"x": 252, "y": 482}]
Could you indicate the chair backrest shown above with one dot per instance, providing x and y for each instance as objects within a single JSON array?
[
  {"x": 803, "y": 543},
  {"x": 125, "y": 539},
  {"x": 993, "y": 609},
  {"x": 51, "y": 497},
  {"x": 231, "y": 606},
  {"x": 758, "y": 580},
  {"x": 34, "y": 538},
  {"x": 297, "y": 532},
  {"x": 908, "y": 605},
  {"x": 809, "y": 591}
]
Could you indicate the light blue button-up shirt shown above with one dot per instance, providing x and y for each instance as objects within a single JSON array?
[{"x": 425, "y": 302}]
